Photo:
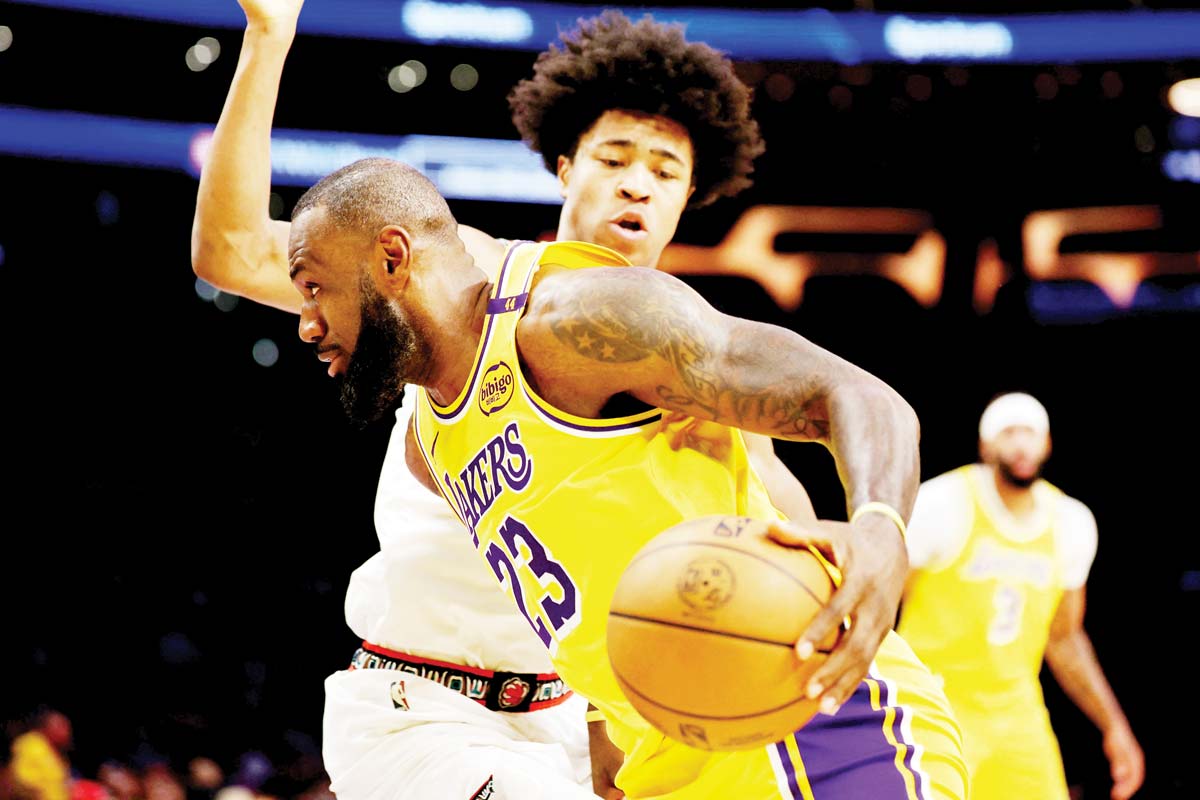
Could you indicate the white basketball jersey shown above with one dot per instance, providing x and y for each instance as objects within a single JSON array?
[{"x": 426, "y": 592}]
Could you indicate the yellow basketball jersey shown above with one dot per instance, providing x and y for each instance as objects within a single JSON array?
[
  {"x": 547, "y": 538},
  {"x": 557, "y": 505},
  {"x": 981, "y": 623},
  {"x": 983, "y": 620}
]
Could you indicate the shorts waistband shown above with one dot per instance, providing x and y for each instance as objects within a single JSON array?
[{"x": 495, "y": 690}]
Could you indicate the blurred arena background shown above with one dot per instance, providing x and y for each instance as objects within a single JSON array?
[{"x": 963, "y": 198}]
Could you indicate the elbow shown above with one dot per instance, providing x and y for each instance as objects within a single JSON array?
[
  {"x": 1054, "y": 650},
  {"x": 213, "y": 256},
  {"x": 904, "y": 416},
  {"x": 892, "y": 405},
  {"x": 888, "y": 413},
  {"x": 912, "y": 422},
  {"x": 1061, "y": 645},
  {"x": 203, "y": 255},
  {"x": 912, "y": 425},
  {"x": 201, "y": 263}
]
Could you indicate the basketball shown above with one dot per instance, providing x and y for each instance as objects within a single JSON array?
[{"x": 702, "y": 631}]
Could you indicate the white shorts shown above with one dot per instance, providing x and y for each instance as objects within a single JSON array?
[{"x": 426, "y": 742}]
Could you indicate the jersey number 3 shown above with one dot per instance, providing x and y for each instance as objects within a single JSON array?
[{"x": 1009, "y": 602}]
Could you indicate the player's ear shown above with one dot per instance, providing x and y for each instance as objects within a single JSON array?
[
  {"x": 392, "y": 263},
  {"x": 564, "y": 175}
]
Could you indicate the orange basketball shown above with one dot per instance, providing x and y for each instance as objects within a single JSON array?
[{"x": 702, "y": 632}]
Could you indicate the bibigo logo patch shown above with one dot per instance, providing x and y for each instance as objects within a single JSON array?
[{"x": 496, "y": 388}]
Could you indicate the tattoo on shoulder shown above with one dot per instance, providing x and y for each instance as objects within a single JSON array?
[{"x": 622, "y": 330}]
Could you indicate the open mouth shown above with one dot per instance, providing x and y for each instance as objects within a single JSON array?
[{"x": 629, "y": 226}]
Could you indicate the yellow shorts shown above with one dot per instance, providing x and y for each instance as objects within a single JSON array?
[{"x": 1012, "y": 755}]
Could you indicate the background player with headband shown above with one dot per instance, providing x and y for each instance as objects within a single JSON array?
[
  {"x": 1000, "y": 558},
  {"x": 618, "y": 191}
]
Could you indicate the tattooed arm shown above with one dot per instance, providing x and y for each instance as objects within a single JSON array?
[{"x": 591, "y": 334}]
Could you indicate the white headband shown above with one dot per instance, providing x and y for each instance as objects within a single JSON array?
[{"x": 1009, "y": 410}]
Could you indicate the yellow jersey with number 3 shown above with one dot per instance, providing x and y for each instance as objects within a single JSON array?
[
  {"x": 980, "y": 621},
  {"x": 983, "y": 619}
]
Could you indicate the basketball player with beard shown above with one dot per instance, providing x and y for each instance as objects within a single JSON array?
[
  {"x": 550, "y": 401},
  {"x": 999, "y": 560}
]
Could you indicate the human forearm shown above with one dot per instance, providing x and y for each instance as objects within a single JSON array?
[
  {"x": 1073, "y": 662},
  {"x": 781, "y": 384},
  {"x": 775, "y": 382},
  {"x": 874, "y": 436}
]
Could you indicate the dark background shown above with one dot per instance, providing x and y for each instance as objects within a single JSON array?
[{"x": 180, "y": 522}]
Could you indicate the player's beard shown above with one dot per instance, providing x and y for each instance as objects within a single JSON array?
[
  {"x": 390, "y": 352},
  {"x": 1006, "y": 474}
]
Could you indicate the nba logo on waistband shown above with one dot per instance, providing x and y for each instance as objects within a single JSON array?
[{"x": 399, "y": 699}]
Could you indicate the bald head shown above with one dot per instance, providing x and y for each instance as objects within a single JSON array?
[
  {"x": 367, "y": 195},
  {"x": 375, "y": 253}
]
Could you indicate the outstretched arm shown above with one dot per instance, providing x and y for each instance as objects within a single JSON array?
[
  {"x": 1073, "y": 662},
  {"x": 236, "y": 246},
  {"x": 593, "y": 333}
]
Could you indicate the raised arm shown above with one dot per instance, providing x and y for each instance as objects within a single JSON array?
[
  {"x": 590, "y": 334},
  {"x": 236, "y": 246}
]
